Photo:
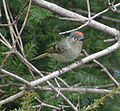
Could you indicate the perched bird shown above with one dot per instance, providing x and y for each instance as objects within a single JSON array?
[{"x": 67, "y": 49}]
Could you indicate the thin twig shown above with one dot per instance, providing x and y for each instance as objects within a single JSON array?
[
  {"x": 9, "y": 22},
  {"x": 21, "y": 12},
  {"x": 100, "y": 101},
  {"x": 5, "y": 85},
  {"x": 44, "y": 104},
  {"x": 50, "y": 85},
  {"x": 88, "y": 6},
  {"x": 17, "y": 36},
  {"x": 3, "y": 75},
  {"x": 5, "y": 60},
  {"x": 75, "y": 28},
  {"x": 0, "y": 12},
  {"x": 89, "y": 19},
  {"x": 104, "y": 69},
  {"x": 16, "y": 18},
  {"x": 67, "y": 13},
  {"x": 109, "y": 40},
  {"x": 112, "y": 6},
  {"x": 89, "y": 15},
  {"x": 105, "y": 86},
  {"x": 3, "y": 92},
  {"x": 11, "y": 98},
  {"x": 78, "y": 89},
  {"x": 63, "y": 81},
  {"x": 6, "y": 25},
  {"x": 78, "y": 105},
  {"x": 15, "y": 76},
  {"x": 5, "y": 42},
  {"x": 100, "y": 16},
  {"x": 58, "y": 86},
  {"x": 74, "y": 65},
  {"x": 15, "y": 84},
  {"x": 25, "y": 20}
]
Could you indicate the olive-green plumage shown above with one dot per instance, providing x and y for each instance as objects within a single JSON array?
[{"x": 67, "y": 49}]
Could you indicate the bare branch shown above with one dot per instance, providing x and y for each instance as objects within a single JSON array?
[
  {"x": 108, "y": 73},
  {"x": 75, "y": 28},
  {"x": 44, "y": 104},
  {"x": 100, "y": 16},
  {"x": 109, "y": 40},
  {"x": 29, "y": 6},
  {"x": 8, "y": 19},
  {"x": 15, "y": 84},
  {"x": 104, "y": 69},
  {"x": 16, "y": 18},
  {"x": 6, "y": 25},
  {"x": 11, "y": 98},
  {"x": 2, "y": 92},
  {"x": 57, "y": 85},
  {"x": 66, "y": 13},
  {"x": 67, "y": 100},
  {"x": 15, "y": 76},
  {"x": 17, "y": 36},
  {"x": 79, "y": 89},
  {"x": 88, "y": 5},
  {"x": 105, "y": 86},
  {"x": 5, "y": 42},
  {"x": 50, "y": 85},
  {"x": 0, "y": 12},
  {"x": 112, "y": 6},
  {"x": 63, "y": 81},
  {"x": 5, "y": 60},
  {"x": 85, "y": 24},
  {"x": 74, "y": 65}
]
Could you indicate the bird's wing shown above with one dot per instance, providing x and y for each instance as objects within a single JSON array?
[
  {"x": 54, "y": 49},
  {"x": 60, "y": 47}
]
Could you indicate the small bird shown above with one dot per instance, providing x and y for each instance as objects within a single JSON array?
[{"x": 67, "y": 49}]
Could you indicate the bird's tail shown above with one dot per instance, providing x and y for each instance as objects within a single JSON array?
[{"x": 40, "y": 56}]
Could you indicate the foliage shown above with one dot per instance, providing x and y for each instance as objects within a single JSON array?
[
  {"x": 27, "y": 102},
  {"x": 40, "y": 33}
]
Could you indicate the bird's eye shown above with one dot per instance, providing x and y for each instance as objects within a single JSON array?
[{"x": 74, "y": 38}]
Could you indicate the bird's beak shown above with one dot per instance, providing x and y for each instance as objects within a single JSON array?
[{"x": 81, "y": 39}]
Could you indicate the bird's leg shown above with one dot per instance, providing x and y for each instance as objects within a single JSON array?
[
  {"x": 58, "y": 66},
  {"x": 82, "y": 55},
  {"x": 77, "y": 61},
  {"x": 44, "y": 72}
]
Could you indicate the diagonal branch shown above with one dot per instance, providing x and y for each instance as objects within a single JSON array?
[
  {"x": 79, "y": 89},
  {"x": 50, "y": 85},
  {"x": 104, "y": 69},
  {"x": 88, "y": 5},
  {"x": 44, "y": 104},
  {"x": 101, "y": 16},
  {"x": 15, "y": 76},
  {"x": 66, "y": 13},
  {"x": 76, "y": 64},
  {"x": 5, "y": 42},
  {"x": 11, "y": 98},
  {"x": 8, "y": 19}
]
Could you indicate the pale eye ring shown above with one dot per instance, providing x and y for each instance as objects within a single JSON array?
[{"x": 74, "y": 38}]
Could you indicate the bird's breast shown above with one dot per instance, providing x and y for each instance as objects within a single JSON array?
[{"x": 68, "y": 55}]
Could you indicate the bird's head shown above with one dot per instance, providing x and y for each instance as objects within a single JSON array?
[{"x": 77, "y": 36}]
